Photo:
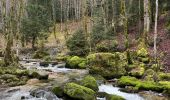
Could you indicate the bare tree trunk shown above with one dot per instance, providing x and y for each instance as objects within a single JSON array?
[
  {"x": 155, "y": 35},
  {"x": 146, "y": 20}
]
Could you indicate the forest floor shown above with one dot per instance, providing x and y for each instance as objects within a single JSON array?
[{"x": 163, "y": 44}]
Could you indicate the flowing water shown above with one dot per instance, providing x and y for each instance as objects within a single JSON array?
[
  {"x": 110, "y": 89},
  {"x": 41, "y": 94}
]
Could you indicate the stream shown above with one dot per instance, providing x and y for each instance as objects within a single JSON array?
[
  {"x": 60, "y": 75},
  {"x": 110, "y": 89}
]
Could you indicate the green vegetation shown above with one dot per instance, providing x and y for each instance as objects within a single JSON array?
[
  {"x": 140, "y": 85},
  {"x": 76, "y": 91},
  {"x": 76, "y": 62},
  {"x": 114, "y": 97},
  {"x": 77, "y": 43},
  {"x": 90, "y": 82},
  {"x": 107, "y": 65},
  {"x": 58, "y": 91}
]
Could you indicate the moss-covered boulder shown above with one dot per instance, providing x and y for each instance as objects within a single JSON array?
[
  {"x": 139, "y": 84},
  {"x": 137, "y": 72},
  {"x": 166, "y": 86},
  {"x": 108, "y": 65},
  {"x": 79, "y": 92},
  {"x": 90, "y": 82},
  {"x": 143, "y": 55},
  {"x": 114, "y": 97},
  {"x": 76, "y": 62},
  {"x": 58, "y": 91},
  {"x": 164, "y": 76},
  {"x": 150, "y": 75}
]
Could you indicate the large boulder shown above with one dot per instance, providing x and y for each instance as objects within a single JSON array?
[
  {"x": 137, "y": 72},
  {"x": 90, "y": 82},
  {"x": 79, "y": 92},
  {"x": 108, "y": 65}
]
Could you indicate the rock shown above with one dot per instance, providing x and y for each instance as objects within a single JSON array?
[
  {"x": 58, "y": 91},
  {"x": 39, "y": 93},
  {"x": 109, "y": 96},
  {"x": 164, "y": 76},
  {"x": 44, "y": 64},
  {"x": 113, "y": 97},
  {"x": 150, "y": 75},
  {"x": 137, "y": 72},
  {"x": 108, "y": 65},
  {"x": 76, "y": 62},
  {"x": 39, "y": 75},
  {"x": 90, "y": 82},
  {"x": 76, "y": 91},
  {"x": 139, "y": 85},
  {"x": 33, "y": 81}
]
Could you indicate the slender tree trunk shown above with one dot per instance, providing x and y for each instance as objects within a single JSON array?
[
  {"x": 155, "y": 32},
  {"x": 146, "y": 20}
]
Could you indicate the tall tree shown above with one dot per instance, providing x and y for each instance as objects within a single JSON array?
[
  {"x": 146, "y": 20},
  {"x": 155, "y": 31}
]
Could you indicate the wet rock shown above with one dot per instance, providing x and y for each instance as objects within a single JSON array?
[
  {"x": 90, "y": 82},
  {"x": 76, "y": 91},
  {"x": 58, "y": 91},
  {"x": 38, "y": 93}
]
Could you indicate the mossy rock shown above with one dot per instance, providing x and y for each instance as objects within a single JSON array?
[
  {"x": 150, "y": 75},
  {"x": 166, "y": 85},
  {"x": 140, "y": 85},
  {"x": 76, "y": 62},
  {"x": 142, "y": 52},
  {"x": 39, "y": 75},
  {"x": 113, "y": 97},
  {"x": 22, "y": 72},
  {"x": 164, "y": 76},
  {"x": 58, "y": 91},
  {"x": 137, "y": 72},
  {"x": 79, "y": 92},
  {"x": 90, "y": 82},
  {"x": 108, "y": 65}
]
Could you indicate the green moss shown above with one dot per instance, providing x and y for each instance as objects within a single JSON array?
[
  {"x": 107, "y": 65},
  {"x": 142, "y": 52},
  {"x": 164, "y": 76},
  {"x": 82, "y": 65},
  {"x": 58, "y": 91},
  {"x": 90, "y": 82},
  {"x": 149, "y": 75},
  {"x": 76, "y": 91},
  {"x": 76, "y": 62},
  {"x": 137, "y": 72},
  {"x": 141, "y": 85},
  {"x": 114, "y": 97},
  {"x": 166, "y": 85}
]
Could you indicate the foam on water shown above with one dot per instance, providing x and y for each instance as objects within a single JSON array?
[{"x": 110, "y": 89}]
